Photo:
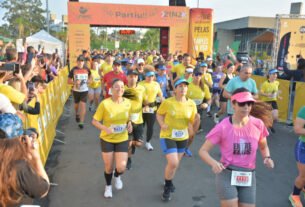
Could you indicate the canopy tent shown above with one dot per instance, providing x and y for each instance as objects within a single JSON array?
[
  {"x": 47, "y": 41},
  {"x": 265, "y": 37}
]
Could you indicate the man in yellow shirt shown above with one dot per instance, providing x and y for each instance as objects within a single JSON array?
[
  {"x": 178, "y": 70},
  {"x": 107, "y": 65}
]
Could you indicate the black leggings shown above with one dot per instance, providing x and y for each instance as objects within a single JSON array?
[{"x": 149, "y": 120}]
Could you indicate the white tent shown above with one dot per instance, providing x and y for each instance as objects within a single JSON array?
[{"x": 50, "y": 43}]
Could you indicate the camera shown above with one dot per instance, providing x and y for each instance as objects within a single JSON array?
[{"x": 14, "y": 67}]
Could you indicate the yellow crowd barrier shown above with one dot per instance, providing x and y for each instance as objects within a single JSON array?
[
  {"x": 299, "y": 100},
  {"x": 52, "y": 102}
]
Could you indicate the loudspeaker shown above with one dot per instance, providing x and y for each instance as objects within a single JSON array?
[{"x": 177, "y": 3}]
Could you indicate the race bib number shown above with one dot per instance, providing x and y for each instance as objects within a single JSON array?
[
  {"x": 134, "y": 116},
  {"x": 197, "y": 101},
  {"x": 81, "y": 76},
  {"x": 239, "y": 178},
  {"x": 158, "y": 99},
  {"x": 179, "y": 133},
  {"x": 118, "y": 128},
  {"x": 148, "y": 110}
]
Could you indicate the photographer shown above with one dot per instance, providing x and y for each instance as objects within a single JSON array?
[{"x": 22, "y": 174}]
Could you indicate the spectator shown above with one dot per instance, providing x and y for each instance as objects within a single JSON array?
[{"x": 299, "y": 73}]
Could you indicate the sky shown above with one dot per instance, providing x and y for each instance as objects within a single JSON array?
[{"x": 223, "y": 9}]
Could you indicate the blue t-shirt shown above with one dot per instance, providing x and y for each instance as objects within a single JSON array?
[
  {"x": 162, "y": 80},
  {"x": 236, "y": 83}
]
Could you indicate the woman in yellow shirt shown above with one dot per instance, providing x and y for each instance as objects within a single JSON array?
[
  {"x": 269, "y": 93},
  {"x": 176, "y": 117},
  {"x": 94, "y": 88},
  {"x": 114, "y": 113},
  {"x": 198, "y": 92},
  {"x": 207, "y": 79},
  {"x": 153, "y": 90}
]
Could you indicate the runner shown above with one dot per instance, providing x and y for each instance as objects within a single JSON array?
[
  {"x": 136, "y": 113},
  {"x": 153, "y": 90},
  {"x": 175, "y": 116},
  {"x": 198, "y": 92},
  {"x": 80, "y": 77},
  {"x": 239, "y": 136},
  {"x": 161, "y": 78},
  {"x": 178, "y": 70},
  {"x": 299, "y": 182},
  {"x": 216, "y": 76},
  {"x": 107, "y": 65},
  {"x": 117, "y": 73},
  {"x": 222, "y": 84},
  {"x": 207, "y": 79},
  {"x": 140, "y": 69},
  {"x": 95, "y": 86},
  {"x": 269, "y": 93},
  {"x": 114, "y": 112}
]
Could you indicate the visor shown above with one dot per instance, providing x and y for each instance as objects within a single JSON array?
[
  {"x": 203, "y": 65},
  {"x": 151, "y": 73},
  {"x": 189, "y": 70},
  {"x": 178, "y": 82},
  {"x": 272, "y": 71},
  {"x": 242, "y": 97}
]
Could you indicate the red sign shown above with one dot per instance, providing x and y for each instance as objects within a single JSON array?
[{"x": 127, "y": 32}]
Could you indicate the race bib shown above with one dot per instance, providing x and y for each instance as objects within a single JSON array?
[
  {"x": 179, "y": 133},
  {"x": 148, "y": 110},
  {"x": 197, "y": 101},
  {"x": 239, "y": 178},
  {"x": 134, "y": 116},
  {"x": 81, "y": 76},
  {"x": 118, "y": 128},
  {"x": 158, "y": 99}
]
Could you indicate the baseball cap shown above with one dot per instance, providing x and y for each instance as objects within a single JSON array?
[
  {"x": 161, "y": 67},
  {"x": 243, "y": 97},
  {"x": 132, "y": 72},
  {"x": 140, "y": 60},
  {"x": 189, "y": 70},
  {"x": 271, "y": 71},
  {"x": 179, "y": 81},
  {"x": 11, "y": 125},
  {"x": 117, "y": 61},
  {"x": 203, "y": 65}
]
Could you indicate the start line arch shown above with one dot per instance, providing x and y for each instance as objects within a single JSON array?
[{"x": 182, "y": 29}]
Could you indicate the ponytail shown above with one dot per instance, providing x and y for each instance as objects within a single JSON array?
[{"x": 262, "y": 111}]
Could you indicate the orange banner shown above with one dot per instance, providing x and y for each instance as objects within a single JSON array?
[
  {"x": 79, "y": 39},
  {"x": 201, "y": 32}
]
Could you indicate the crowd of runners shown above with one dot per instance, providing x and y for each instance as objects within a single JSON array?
[{"x": 129, "y": 91}]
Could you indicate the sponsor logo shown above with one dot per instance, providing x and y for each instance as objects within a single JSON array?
[{"x": 83, "y": 13}]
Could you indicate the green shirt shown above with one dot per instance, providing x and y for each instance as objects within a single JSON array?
[{"x": 301, "y": 115}]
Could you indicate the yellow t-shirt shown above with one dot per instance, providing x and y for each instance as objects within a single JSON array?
[
  {"x": 195, "y": 93},
  {"x": 177, "y": 117},
  {"x": 136, "y": 105},
  {"x": 150, "y": 60},
  {"x": 12, "y": 94},
  {"x": 96, "y": 79},
  {"x": 106, "y": 68},
  {"x": 268, "y": 87},
  {"x": 114, "y": 116},
  {"x": 152, "y": 89},
  {"x": 209, "y": 79},
  {"x": 179, "y": 69}
]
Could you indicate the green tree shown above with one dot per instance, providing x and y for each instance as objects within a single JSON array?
[
  {"x": 151, "y": 39},
  {"x": 24, "y": 17}
]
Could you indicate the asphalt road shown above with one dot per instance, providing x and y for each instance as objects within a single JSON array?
[{"x": 76, "y": 168}]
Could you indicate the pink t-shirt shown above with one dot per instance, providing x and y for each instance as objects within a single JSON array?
[{"x": 238, "y": 146}]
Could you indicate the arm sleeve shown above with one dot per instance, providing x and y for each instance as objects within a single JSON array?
[
  {"x": 163, "y": 108},
  {"x": 30, "y": 110},
  {"x": 99, "y": 112},
  {"x": 254, "y": 89},
  {"x": 31, "y": 184},
  {"x": 215, "y": 134}
]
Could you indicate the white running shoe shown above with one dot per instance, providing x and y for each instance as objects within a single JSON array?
[
  {"x": 216, "y": 119},
  {"x": 118, "y": 184},
  {"x": 108, "y": 191},
  {"x": 148, "y": 146}
]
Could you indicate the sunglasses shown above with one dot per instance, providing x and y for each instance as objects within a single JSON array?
[
  {"x": 198, "y": 74},
  {"x": 140, "y": 64},
  {"x": 248, "y": 103}
]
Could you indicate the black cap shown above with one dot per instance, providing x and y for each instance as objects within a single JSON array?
[
  {"x": 81, "y": 58},
  {"x": 132, "y": 72}
]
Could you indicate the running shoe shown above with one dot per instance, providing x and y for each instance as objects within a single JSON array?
[
  {"x": 295, "y": 200},
  {"x": 172, "y": 187},
  {"x": 108, "y": 191},
  {"x": 166, "y": 195},
  {"x": 81, "y": 125},
  {"x": 216, "y": 118},
  {"x": 188, "y": 152},
  {"x": 148, "y": 146},
  {"x": 77, "y": 118},
  {"x": 128, "y": 165},
  {"x": 118, "y": 184}
]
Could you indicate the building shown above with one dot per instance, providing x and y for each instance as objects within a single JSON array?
[{"x": 251, "y": 32}]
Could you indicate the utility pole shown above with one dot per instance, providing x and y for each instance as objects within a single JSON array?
[{"x": 48, "y": 16}]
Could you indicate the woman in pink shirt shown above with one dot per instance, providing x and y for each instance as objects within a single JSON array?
[{"x": 239, "y": 136}]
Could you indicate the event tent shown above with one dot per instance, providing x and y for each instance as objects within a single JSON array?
[{"x": 47, "y": 41}]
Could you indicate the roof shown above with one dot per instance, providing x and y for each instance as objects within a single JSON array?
[
  {"x": 264, "y": 37},
  {"x": 42, "y": 35},
  {"x": 247, "y": 22}
]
